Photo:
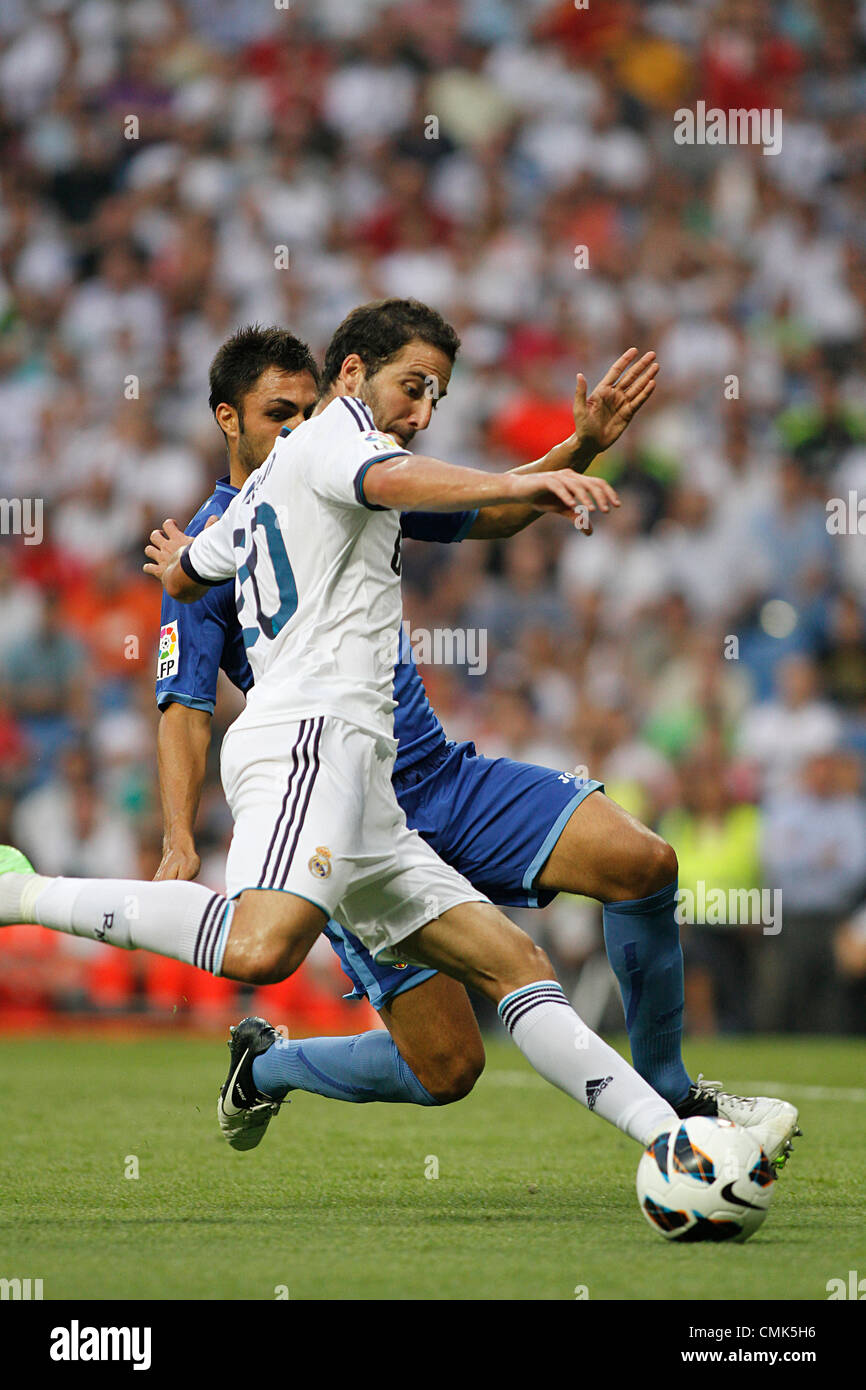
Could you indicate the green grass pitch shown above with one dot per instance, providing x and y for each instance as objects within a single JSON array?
[{"x": 534, "y": 1198}]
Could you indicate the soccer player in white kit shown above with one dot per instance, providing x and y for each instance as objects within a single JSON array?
[
  {"x": 313, "y": 539},
  {"x": 306, "y": 766}
]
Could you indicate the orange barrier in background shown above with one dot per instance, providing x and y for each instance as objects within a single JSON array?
[{"x": 47, "y": 980}]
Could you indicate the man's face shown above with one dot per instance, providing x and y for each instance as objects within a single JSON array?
[
  {"x": 403, "y": 394},
  {"x": 278, "y": 398}
]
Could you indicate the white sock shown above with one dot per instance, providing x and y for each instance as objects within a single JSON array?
[
  {"x": 561, "y": 1047},
  {"x": 185, "y": 921}
]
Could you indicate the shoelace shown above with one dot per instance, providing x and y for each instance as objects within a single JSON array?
[{"x": 715, "y": 1088}]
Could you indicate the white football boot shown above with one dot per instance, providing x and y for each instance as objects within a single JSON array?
[{"x": 773, "y": 1121}]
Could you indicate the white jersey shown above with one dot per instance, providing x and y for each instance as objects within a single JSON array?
[{"x": 316, "y": 570}]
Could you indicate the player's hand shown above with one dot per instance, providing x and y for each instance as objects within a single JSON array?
[
  {"x": 601, "y": 417},
  {"x": 567, "y": 493},
  {"x": 165, "y": 542},
  {"x": 178, "y": 861}
]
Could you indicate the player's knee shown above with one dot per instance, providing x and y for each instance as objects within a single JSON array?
[
  {"x": 538, "y": 961},
  {"x": 452, "y": 1077},
  {"x": 269, "y": 963},
  {"x": 264, "y": 970},
  {"x": 527, "y": 965},
  {"x": 456, "y": 1089},
  {"x": 514, "y": 961},
  {"x": 656, "y": 867},
  {"x": 265, "y": 946}
]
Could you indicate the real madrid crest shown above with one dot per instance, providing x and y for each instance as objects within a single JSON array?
[{"x": 320, "y": 863}]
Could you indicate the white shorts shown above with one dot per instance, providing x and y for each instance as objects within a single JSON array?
[{"x": 315, "y": 814}]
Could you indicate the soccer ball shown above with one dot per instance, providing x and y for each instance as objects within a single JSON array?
[{"x": 705, "y": 1180}]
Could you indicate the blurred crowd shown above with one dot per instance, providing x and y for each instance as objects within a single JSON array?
[{"x": 172, "y": 169}]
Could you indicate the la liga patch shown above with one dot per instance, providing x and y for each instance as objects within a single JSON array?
[
  {"x": 383, "y": 443},
  {"x": 169, "y": 651}
]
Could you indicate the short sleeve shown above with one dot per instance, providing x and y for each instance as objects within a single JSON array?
[
  {"x": 199, "y": 639},
  {"x": 350, "y": 445},
  {"x": 196, "y": 641},
  {"x": 191, "y": 641}
]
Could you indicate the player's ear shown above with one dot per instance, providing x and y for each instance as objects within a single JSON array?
[
  {"x": 227, "y": 419},
  {"x": 352, "y": 372}
]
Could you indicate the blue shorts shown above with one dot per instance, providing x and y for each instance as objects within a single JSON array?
[{"x": 494, "y": 820}]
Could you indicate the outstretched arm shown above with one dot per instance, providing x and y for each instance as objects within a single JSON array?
[
  {"x": 599, "y": 420},
  {"x": 418, "y": 484}
]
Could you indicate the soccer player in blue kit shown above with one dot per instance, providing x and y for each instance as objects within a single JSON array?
[{"x": 519, "y": 833}]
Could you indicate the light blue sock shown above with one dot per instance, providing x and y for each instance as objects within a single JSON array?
[
  {"x": 360, "y": 1069},
  {"x": 642, "y": 939}
]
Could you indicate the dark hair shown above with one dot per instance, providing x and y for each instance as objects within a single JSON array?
[
  {"x": 377, "y": 331},
  {"x": 249, "y": 352}
]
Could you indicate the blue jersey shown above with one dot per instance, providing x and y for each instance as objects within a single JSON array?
[{"x": 199, "y": 639}]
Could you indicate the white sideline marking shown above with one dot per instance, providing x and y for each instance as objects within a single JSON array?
[{"x": 856, "y": 1094}]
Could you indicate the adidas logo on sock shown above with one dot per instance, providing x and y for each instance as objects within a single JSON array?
[{"x": 594, "y": 1090}]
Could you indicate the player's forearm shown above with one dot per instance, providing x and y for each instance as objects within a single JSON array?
[
  {"x": 420, "y": 484},
  {"x": 180, "y": 585},
  {"x": 495, "y": 523},
  {"x": 183, "y": 740},
  {"x": 574, "y": 453}
]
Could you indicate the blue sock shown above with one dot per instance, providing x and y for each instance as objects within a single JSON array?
[
  {"x": 360, "y": 1069},
  {"x": 642, "y": 939}
]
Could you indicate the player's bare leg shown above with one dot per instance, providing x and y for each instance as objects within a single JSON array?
[
  {"x": 433, "y": 1057},
  {"x": 605, "y": 853},
  {"x": 262, "y": 938},
  {"x": 478, "y": 945},
  {"x": 271, "y": 934},
  {"x": 435, "y": 1029},
  {"x": 432, "y": 1025}
]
